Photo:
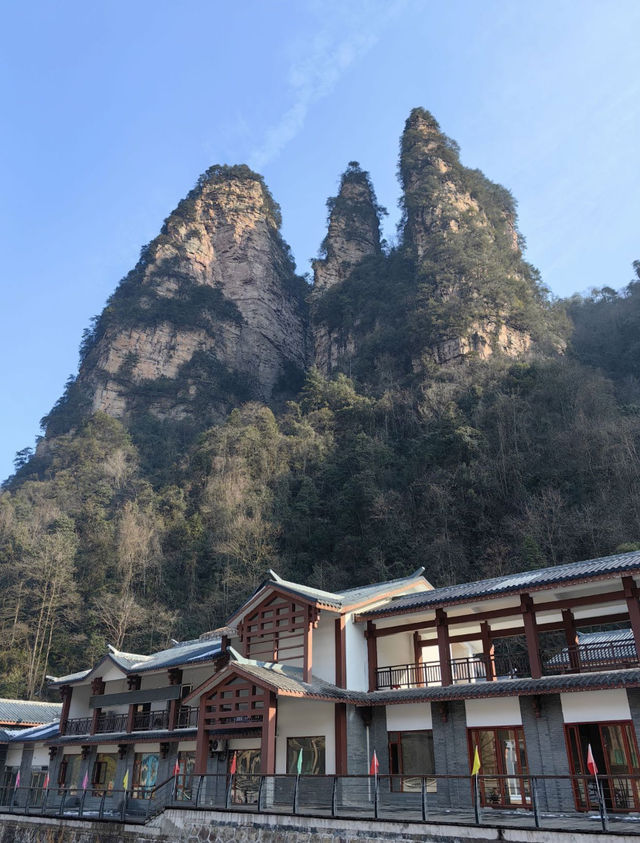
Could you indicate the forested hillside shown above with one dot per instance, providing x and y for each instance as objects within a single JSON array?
[{"x": 452, "y": 415}]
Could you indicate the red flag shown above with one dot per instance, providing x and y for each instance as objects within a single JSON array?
[
  {"x": 591, "y": 762},
  {"x": 176, "y": 769},
  {"x": 45, "y": 783},
  {"x": 233, "y": 767},
  {"x": 374, "y": 767}
]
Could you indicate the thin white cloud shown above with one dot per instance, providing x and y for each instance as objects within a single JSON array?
[{"x": 350, "y": 33}]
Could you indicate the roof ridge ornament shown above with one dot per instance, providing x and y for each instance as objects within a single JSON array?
[{"x": 276, "y": 577}]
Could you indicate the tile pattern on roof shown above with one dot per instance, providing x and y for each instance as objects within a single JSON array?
[
  {"x": 28, "y": 711},
  {"x": 620, "y": 563}
]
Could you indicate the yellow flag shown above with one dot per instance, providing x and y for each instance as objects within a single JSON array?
[
  {"x": 125, "y": 780},
  {"x": 476, "y": 762}
]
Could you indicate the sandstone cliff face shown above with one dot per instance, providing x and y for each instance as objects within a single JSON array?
[
  {"x": 460, "y": 231},
  {"x": 212, "y": 313},
  {"x": 352, "y": 237}
]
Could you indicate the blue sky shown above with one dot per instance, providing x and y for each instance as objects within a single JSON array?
[{"x": 112, "y": 109}]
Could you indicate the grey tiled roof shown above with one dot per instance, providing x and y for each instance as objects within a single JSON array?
[
  {"x": 28, "y": 711},
  {"x": 341, "y": 599},
  {"x": 37, "y": 733},
  {"x": 289, "y": 680},
  {"x": 618, "y": 564},
  {"x": 189, "y": 652},
  {"x": 511, "y": 687},
  {"x": 599, "y": 648}
]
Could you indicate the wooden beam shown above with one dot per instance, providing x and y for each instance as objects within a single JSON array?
[
  {"x": 372, "y": 654},
  {"x": 633, "y": 607},
  {"x": 308, "y": 647},
  {"x": 65, "y": 695},
  {"x": 268, "y": 747},
  {"x": 571, "y": 637},
  {"x": 510, "y": 611},
  {"x": 202, "y": 740},
  {"x": 488, "y": 651},
  {"x": 444, "y": 649},
  {"x": 531, "y": 634},
  {"x": 341, "y": 738}
]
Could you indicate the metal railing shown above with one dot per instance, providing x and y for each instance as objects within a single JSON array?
[
  {"x": 478, "y": 668},
  {"x": 520, "y": 800},
  {"x": 187, "y": 718},
  {"x": 588, "y": 657},
  {"x": 109, "y": 722},
  {"x": 144, "y": 721},
  {"x": 78, "y": 726}
]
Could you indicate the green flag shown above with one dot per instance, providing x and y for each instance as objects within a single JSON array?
[{"x": 300, "y": 761}]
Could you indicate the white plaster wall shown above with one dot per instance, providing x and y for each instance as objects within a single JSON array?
[
  {"x": 305, "y": 718},
  {"x": 80, "y": 701},
  {"x": 153, "y": 680},
  {"x": 324, "y": 648},
  {"x": 408, "y": 717},
  {"x": 395, "y": 649},
  {"x": 40, "y": 756},
  {"x": 244, "y": 743},
  {"x": 146, "y": 747},
  {"x": 357, "y": 657},
  {"x": 494, "y": 712},
  {"x": 196, "y": 675},
  {"x": 109, "y": 673},
  {"x": 14, "y": 756},
  {"x": 594, "y": 706}
]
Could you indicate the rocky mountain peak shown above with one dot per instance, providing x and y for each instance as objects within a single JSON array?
[
  {"x": 212, "y": 314},
  {"x": 476, "y": 295},
  {"x": 354, "y": 229}
]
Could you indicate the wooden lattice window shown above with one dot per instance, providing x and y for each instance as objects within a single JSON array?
[
  {"x": 275, "y": 630},
  {"x": 236, "y": 703}
]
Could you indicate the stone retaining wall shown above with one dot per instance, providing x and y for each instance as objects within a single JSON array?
[{"x": 217, "y": 827}]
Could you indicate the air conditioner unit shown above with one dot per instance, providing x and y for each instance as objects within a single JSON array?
[{"x": 218, "y": 745}]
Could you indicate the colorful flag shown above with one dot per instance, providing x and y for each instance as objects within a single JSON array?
[
  {"x": 591, "y": 762},
  {"x": 176, "y": 769},
  {"x": 374, "y": 766},
  {"x": 234, "y": 764},
  {"x": 476, "y": 762},
  {"x": 85, "y": 780},
  {"x": 18, "y": 780},
  {"x": 125, "y": 781},
  {"x": 45, "y": 783},
  {"x": 299, "y": 768}
]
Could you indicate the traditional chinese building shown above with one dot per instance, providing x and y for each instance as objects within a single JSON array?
[{"x": 530, "y": 668}]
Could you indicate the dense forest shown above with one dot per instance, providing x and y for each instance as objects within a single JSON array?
[{"x": 474, "y": 466}]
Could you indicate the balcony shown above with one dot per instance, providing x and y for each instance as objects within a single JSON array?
[
  {"x": 109, "y": 722},
  {"x": 187, "y": 718},
  {"x": 145, "y": 721},
  {"x": 78, "y": 726},
  {"x": 581, "y": 658}
]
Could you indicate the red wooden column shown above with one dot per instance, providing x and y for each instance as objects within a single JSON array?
[
  {"x": 571, "y": 637},
  {"x": 268, "y": 747},
  {"x": 97, "y": 689},
  {"x": 633, "y": 607},
  {"x": 417, "y": 658},
  {"x": 531, "y": 634},
  {"x": 65, "y": 695},
  {"x": 444, "y": 647},
  {"x": 341, "y": 738},
  {"x": 175, "y": 678},
  {"x": 202, "y": 739},
  {"x": 488, "y": 651},
  {"x": 372, "y": 654}
]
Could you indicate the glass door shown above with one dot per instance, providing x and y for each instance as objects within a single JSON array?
[{"x": 503, "y": 766}]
